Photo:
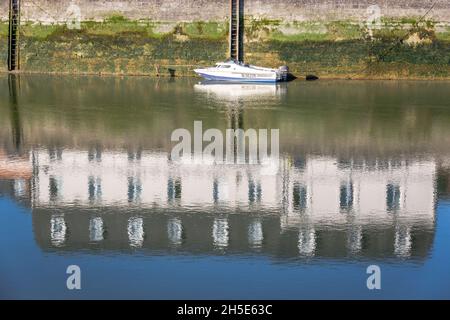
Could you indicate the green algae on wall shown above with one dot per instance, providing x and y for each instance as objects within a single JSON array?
[
  {"x": 401, "y": 48},
  {"x": 3, "y": 46}
]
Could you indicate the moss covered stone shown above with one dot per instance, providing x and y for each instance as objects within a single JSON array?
[{"x": 406, "y": 48}]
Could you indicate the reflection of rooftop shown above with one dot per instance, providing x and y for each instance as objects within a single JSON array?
[{"x": 14, "y": 168}]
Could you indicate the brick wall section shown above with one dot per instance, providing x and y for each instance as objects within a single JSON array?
[{"x": 213, "y": 10}]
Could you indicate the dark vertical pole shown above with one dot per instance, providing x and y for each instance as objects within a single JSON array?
[
  {"x": 240, "y": 52},
  {"x": 13, "y": 35},
  {"x": 232, "y": 29},
  {"x": 16, "y": 124},
  {"x": 237, "y": 30}
]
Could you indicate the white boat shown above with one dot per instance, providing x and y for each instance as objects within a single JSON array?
[{"x": 239, "y": 72}]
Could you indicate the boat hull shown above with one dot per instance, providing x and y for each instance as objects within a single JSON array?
[{"x": 229, "y": 78}]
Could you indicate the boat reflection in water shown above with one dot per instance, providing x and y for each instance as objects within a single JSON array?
[
  {"x": 310, "y": 207},
  {"x": 235, "y": 90}
]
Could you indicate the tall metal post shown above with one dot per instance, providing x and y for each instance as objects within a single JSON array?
[
  {"x": 236, "y": 40},
  {"x": 13, "y": 35}
]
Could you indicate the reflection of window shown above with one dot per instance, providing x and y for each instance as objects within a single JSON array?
[
  {"x": 254, "y": 191},
  {"x": 345, "y": 164},
  {"x": 300, "y": 163},
  {"x": 55, "y": 154},
  {"x": 221, "y": 233},
  {"x": 396, "y": 163},
  {"x": 216, "y": 191},
  {"x": 307, "y": 242},
  {"x": 402, "y": 243},
  {"x": 95, "y": 188},
  {"x": 175, "y": 231},
  {"x": 393, "y": 197},
  {"x": 96, "y": 230},
  {"x": 382, "y": 164},
  {"x": 134, "y": 155},
  {"x": 371, "y": 164},
  {"x": 54, "y": 188},
  {"x": 20, "y": 186},
  {"x": 299, "y": 197},
  {"x": 134, "y": 189},
  {"x": 58, "y": 230},
  {"x": 95, "y": 154},
  {"x": 346, "y": 195},
  {"x": 135, "y": 230},
  {"x": 358, "y": 163},
  {"x": 255, "y": 234},
  {"x": 173, "y": 189}
]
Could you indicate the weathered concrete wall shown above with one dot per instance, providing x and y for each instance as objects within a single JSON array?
[
  {"x": 324, "y": 37},
  {"x": 212, "y": 10}
]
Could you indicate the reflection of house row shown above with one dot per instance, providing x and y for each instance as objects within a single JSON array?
[
  {"x": 318, "y": 188},
  {"x": 317, "y": 204},
  {"x": 146, "y": 180},
  {"x": 377, "y": 192}
]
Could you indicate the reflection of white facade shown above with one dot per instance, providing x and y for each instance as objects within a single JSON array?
[
  {"x": 150, "y": 181},
  {"x": 316, "y": 191},
  {"x": 327, "y": 191},
  {"x": 319, "y": 190}
]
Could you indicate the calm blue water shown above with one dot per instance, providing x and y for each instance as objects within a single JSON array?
[
  {"x": 28, "y": 272},
  {"x": 363, "y": 179}
]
